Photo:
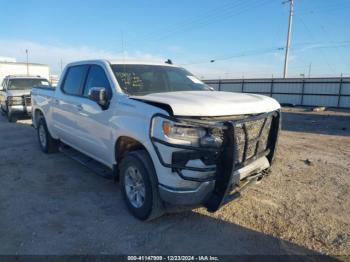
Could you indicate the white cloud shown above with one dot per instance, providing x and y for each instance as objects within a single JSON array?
[{"x": 53, "y": 54}]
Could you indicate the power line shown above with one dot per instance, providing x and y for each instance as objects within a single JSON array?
[
  {"x": 201, "y": 21},
  {"x": 267, "y": 51},
  {"x": 209, "y": 14},
  {"x": 328, "y": 8},
  {"x": 225, "y": 15},
  {"x": 240, "y": 54},
  {"x": 337, "y": 49},
  {"x": 311, "y": 36},
  {"x": 318, "y": 43},
  {"x": 185, "y": 22}
]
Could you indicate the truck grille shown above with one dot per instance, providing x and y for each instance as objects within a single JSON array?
[{"x": 251, "y": 138}]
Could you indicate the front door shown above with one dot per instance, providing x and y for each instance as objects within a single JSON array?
[{"x": 92, "y": 121}]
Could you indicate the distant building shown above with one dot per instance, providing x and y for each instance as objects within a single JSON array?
[
  {"x": 7, "y": 59},
  {"x": 16, "y": 68}
]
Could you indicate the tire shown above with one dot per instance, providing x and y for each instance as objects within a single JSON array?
[
  {"x": 47, "y": 143},
  {"x": 139, "y": 162},
  {"x": 10, "y": 117}
]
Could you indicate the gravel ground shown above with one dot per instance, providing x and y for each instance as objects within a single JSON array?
[{"x": 51, "y": 204}]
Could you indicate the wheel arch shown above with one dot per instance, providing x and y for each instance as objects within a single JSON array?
[
  {"x": 36, "y": 116},
  {"x": 126, "y": 144}
]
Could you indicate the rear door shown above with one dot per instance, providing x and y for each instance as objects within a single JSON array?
[{"x": 67, "y": 105}]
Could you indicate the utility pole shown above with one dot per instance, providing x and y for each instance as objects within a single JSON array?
[
  {"x": 310, "y": 69},
  {"x": 27, "y": 62},
  {"x": 291, "y": 11}
]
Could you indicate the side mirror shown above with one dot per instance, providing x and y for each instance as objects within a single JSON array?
[{"x": 99, "y": 95}]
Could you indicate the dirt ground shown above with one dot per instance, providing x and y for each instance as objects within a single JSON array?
[{"x": 51, "y": 204}]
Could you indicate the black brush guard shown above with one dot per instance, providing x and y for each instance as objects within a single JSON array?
[
  {"x": 27, "y": 102},
  {"x": 224, "y": 158}
]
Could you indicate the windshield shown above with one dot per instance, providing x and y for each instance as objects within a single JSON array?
[
  {"x": 139, "y": 80},
  {"x": 26, "y": 83}
]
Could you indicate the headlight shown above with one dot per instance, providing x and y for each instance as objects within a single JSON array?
[
  {"x": 182, "y": 134},
  {"x": 14, "y": 100}
]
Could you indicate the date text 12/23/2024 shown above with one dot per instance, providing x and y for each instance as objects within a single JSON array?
[{"x": 173, "y": 258}]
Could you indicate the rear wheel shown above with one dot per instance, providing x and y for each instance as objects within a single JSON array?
[
  {"x": 47, "y": 143},
  {"x": 139, "y": 185}
]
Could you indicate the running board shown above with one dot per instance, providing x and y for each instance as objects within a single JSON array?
[{"x": 96, "y": 167}]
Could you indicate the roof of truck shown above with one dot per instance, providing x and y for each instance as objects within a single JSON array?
[
  {"x": 138, "y": 62},
  {"x": 24, "y": 76},
  {"x": 122, "y": 62}
]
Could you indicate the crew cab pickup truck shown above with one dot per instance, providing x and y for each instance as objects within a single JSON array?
[
  {"x": 15, "y": 94},
  {"x": 170, "y": 139}
]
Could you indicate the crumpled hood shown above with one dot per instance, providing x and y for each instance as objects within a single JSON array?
[
  {"x": 18, "y": 92},
  {"x": 213, "y": 103}
]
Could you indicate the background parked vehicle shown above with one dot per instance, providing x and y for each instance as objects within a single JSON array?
[
  {"x": 15, "y": 96},
  {"x": 168, "y": 137}
]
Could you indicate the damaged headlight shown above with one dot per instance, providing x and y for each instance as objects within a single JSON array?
[{"x": 182, "y": 133}]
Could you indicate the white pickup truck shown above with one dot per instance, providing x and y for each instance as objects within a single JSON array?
[
  {"x": 170, "y": 139},
  {"x": 15, "y": 94}
]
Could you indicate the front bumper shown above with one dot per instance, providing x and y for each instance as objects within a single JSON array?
[
  {"x": 20, "y": 109},
  {"x": 201, "y": 194},
  {"x": 227, "y": 170},
  {"x": 25, "y": 107}
]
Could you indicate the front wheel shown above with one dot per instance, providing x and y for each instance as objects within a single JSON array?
[
  {"x": 47, "y": 143},
  {"x": 10, "y": 117},
  {"x": 139, "y": 185}
]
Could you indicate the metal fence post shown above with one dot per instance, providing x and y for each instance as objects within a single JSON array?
[
  {"x": 302, "y": 92},
  {"x": 340, "y": 90},
  {"x": 219, "y": 87},
  {"x": 242, "y": 85},
  {"x": 271, "y": 88}
]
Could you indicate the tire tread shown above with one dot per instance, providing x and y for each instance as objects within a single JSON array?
[
  {"x": 157, "y": 208},
  {"x": 52, "y": 144}
]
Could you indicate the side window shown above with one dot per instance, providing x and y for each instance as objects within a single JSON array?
[
  {"x": 97, "y": 78},
  {"x": 75, "y": 79},
  {"x": 4, "y": 84}
]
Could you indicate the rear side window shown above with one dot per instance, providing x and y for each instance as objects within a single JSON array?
[
  {"x": 74, "y": 80},
  {"x": 97, "y": 78}
]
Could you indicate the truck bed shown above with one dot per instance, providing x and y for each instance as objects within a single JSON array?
[{"x": 42, "y": 97}]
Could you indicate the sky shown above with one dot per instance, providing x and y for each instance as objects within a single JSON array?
[{"x": 213, "y": 39}]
